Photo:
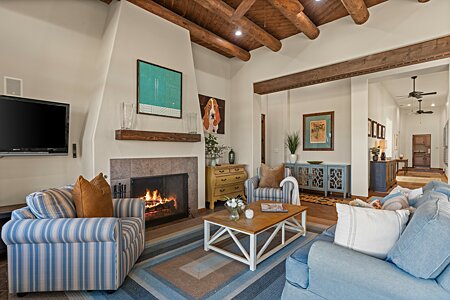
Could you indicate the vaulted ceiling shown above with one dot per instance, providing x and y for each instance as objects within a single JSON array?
[{"x": 214, "y": 23}]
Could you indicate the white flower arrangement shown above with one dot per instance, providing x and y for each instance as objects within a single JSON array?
[{"x": 235, "y": 204}]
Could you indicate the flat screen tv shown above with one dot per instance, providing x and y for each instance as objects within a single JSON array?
[{"x": 33, "y": 127}]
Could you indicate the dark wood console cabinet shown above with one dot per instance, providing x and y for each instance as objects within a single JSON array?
[{"x": 383, "y": 175}]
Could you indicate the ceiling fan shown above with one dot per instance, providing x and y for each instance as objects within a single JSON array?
[
  {"x": 421, "y": 111},
  {"x": 417, "y": 94}
]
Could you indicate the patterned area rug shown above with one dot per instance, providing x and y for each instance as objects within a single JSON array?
[
  {"x": 320, "y": 199},
  {"x": 177, "y": 267}
]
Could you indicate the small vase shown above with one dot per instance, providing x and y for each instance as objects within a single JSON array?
[
  {"x": 293, "y": 158},
  {"x": 375, "y": 158},
  {"x": 213, "y": 162},
  {"x": 234, "y": 214},
  {"x": 383, "y": 156},
  {"x": 231, "y": 157}
]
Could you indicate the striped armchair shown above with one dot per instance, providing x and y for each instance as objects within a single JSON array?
[
  {"x": 255, "y": 193},
  {"x": 63, "y": 254}
]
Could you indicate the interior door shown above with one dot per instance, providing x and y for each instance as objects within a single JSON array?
[{"x": 421, "y": 146}]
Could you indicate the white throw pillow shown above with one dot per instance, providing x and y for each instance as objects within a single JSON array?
[{"x": 370, "y": 231}]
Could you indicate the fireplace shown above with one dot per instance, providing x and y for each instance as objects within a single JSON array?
[{"x": 165, "y": 196}]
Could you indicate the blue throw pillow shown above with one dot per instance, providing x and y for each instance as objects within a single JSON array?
[
  {"x": 431, "y": 195},
  {"x": 423, "y": 249},
  {"x": 444, "y": 190},
  {"x": 432, "y": 185}
]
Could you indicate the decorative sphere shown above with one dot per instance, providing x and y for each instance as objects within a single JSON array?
[{"x": 249, "y": 214}]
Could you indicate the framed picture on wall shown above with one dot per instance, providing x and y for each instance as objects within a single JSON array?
[
  {"x": 369, "y": 128},
  {"x": 213, "y": 114},
  {"x": 318, "y": 131},
  {"x": 383, "y": 132},
  {"x": 159, "y": 90},
  {"x": 374, "y": 128},
  {"x": 379, "y": 130},
  {"x": 396, "y": 141}
]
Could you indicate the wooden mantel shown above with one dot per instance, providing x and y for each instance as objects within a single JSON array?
[{"x": 155, "y": 136}]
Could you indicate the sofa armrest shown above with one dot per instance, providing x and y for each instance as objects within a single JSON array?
[
  {"x": 62, "y": 230},
  {"x": 348, "y": 272},
  {"x": 250, "y": 186},
  {"x": 129, "y": 207},
  {"x": 288, "y": 187}
]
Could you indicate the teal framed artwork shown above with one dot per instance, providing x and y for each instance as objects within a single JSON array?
[
  {"x": 318, "y": 131},
  {"x": 159, "y": 90}
]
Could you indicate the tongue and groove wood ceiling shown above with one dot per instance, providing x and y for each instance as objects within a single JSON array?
[{"x": 213, "y": 23}]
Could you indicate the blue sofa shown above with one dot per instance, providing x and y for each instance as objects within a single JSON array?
[{"x": 322, "y": 270}]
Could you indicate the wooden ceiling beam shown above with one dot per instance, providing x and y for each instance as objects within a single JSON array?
[
  {"x": 357, "y": 10},
  {"x": 423, "y": 1},
  {"x": 293, "y": 11},
  {"x": 405, "y": 56},
  {"x": 225, "y": 11},
  {"x": 195, "y": 30},
  {"x": 242, "y": 9}
]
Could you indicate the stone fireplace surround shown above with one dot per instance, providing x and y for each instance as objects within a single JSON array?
[{"x": 123, "y": 169}]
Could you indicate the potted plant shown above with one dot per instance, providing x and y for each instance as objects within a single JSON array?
[
  {"x": 213, "y": 150},
  {"x": 292, "y": 142},
  {"x": 375, "y": 151}
]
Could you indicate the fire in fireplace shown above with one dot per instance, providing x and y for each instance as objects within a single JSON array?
[{"x": 166, "y": 197}]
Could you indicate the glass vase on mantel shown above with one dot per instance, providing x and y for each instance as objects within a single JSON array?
[{"x": 126, "y": 115}]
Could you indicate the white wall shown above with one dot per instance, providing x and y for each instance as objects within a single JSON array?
[
  {"x": 391, "y": 25},
  {"x": 53, "y": 47},
  {"x": 141, "y": 35},
  {"x": 285, "y": 115},
  {"x": 213, "y": 73},
  {"x": 382, "y": 107},
  {"x": 422, "y": 124}
]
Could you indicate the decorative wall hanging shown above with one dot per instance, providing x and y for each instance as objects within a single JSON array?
[
  {"x": 374, "y": 129},
  {"x": 213, "y": 114},
  {"x": 318, "y": 131},
  {"x": 379, "y": 130},
  {"x": 369, "y": 127},
  {"x": 159, "y": 90}
]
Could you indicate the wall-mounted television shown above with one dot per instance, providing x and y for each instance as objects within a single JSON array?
[{"x": 33, "y": 127}]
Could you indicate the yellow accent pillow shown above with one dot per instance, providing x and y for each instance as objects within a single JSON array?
[
  {"x": 93, "y": 199},
  {"x": 271, "y": 178}
]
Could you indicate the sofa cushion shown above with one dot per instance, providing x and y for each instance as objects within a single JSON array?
[
  {"x": 423, "y": 249},
  {"x": 444, "y": 279},
  {"x": 426, "y": 197},
  {"x": 131, "y": 229},
  {"x": 297, "y": 271},
  {"x": 268, "y": 194},
  {"x": 52, "y": 203},
  {"x": 400, "y": 201},
  {"x": 370, "y": 231},
  {"x": 93, "y": 198}
]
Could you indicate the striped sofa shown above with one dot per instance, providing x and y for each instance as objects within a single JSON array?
[
  {"x": 64, "y": 254},
  {"x": 254, "y": 193}
]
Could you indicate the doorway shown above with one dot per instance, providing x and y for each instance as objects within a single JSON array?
[
  {"x": 263, "y": 138},
  {"x": 421, "y": 146}
]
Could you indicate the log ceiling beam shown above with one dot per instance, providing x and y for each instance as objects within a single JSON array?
[
  {"x": 357, "y": 10},
  {"x": 414, "y": 54},
  {"x": 423, "y": 1},
  {"x": 225, "y": 11},
  {"x": 195, "y": 30},
  {"x": 242, "y": 9},
  {"x": 293, "y": 11},
  {"x": 106, "y": 1}
]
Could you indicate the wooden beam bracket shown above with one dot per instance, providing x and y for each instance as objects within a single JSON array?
[{"x": 357, "y": 10}]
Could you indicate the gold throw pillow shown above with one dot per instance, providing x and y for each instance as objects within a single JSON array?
[
  {"x": 93, "y": 199},
  {"x": 271, "y": 178}
]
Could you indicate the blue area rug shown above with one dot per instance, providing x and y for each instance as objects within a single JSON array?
[{"x": 177, "y": 267}]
